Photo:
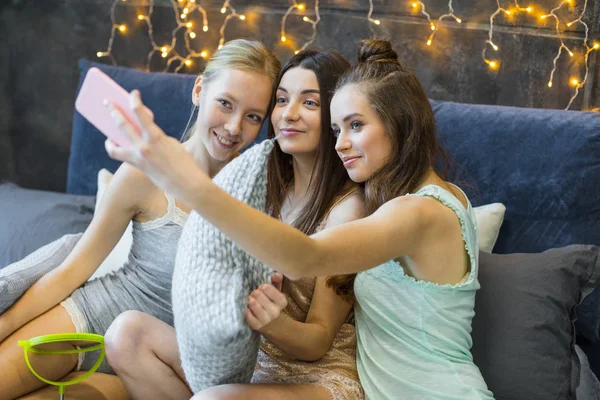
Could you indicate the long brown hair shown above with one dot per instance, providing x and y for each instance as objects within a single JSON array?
[
  {"x": 396, "y": 95},
  {"x": 329, "y": 178}
]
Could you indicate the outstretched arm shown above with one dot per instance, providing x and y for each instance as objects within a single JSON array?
[{"x": 392, "y": 231}]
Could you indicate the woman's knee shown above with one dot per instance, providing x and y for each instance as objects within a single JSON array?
[{"x": 124, "y": 337}]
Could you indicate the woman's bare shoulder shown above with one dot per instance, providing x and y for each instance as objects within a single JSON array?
[
  {"x": 131, "y": 188},
  {"x": 350, "y": 208}
]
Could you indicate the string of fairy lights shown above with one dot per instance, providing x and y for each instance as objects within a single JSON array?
[
  {"x": 183, "y": 13},
  {"x": 186, "y": 12},
  {"x": 300, "y": 7},
  {"x": 421, "y": 6}
]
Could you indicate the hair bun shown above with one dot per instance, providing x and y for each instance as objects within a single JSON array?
[{"x": 373, "y": 50}]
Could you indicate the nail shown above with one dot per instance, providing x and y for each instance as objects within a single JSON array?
[
  {"x": 117, "y": 117},
  {"x": 134, "y": 100}
]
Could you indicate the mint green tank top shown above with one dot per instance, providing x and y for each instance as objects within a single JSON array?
[{"x": 414, "y": 337}]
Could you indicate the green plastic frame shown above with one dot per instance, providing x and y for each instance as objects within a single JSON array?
[{"x": 29, "y": 346}]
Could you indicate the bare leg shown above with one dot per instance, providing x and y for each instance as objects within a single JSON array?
[
  {"x": 17, "y": 379},
  {"x": 264, "y": 392},
  {"x": 96, "y": 387},
  {"x": 143, "y": 351}
]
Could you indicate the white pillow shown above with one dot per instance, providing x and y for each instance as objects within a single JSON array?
[
  {"x": 120, "y": 253},
  {"x": 489, "y": 220}
]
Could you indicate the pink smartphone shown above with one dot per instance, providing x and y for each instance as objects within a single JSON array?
[{"x": 96, "y": 87}]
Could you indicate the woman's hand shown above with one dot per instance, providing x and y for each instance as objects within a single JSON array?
[
  {"x": 162, "y": 158},
  {"x": 265, "y": 305}
]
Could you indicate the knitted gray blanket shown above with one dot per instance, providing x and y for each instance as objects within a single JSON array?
[{"x": 212, "y": 281}]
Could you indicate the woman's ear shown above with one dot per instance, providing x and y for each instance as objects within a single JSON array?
[{"x": 196, "y": 91}]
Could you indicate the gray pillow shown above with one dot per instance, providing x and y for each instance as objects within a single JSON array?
[
  {"x": 17, "y": 278},
  {"x": 523, "y": 335},
  {"x": 589, "y": 386},
  {"x": 212, "y": 280},
  {"x": 30, "y": 219},
  {"x": 588, "y": 317}
]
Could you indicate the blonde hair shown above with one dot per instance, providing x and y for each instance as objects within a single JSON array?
[{"x": 243, "y": 55}]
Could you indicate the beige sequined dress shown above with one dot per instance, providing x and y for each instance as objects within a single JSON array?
[{"x": 336, "y": 371}]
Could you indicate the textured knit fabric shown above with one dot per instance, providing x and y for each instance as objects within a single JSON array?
[
  {"x": 142, "y": 284},
  {"x": 212, "y": 281},
  {"x": 18, "y": 277},
  {"x": 414, "y": 337}
]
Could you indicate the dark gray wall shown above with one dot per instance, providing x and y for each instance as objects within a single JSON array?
[{"x": 43, "y": 39}]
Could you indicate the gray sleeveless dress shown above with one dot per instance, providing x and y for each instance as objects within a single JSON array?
[{"x": 143, "y": 283}]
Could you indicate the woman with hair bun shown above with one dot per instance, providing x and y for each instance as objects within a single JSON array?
[{"x": 415, "y": 253}]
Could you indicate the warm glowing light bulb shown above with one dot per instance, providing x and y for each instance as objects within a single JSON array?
[
  {"x": 550, "y": 84},
  {"x": 205, "y": 28},
  {"x": 297, "y": 51},
  {"x": 543, "y": 17},
  {"x": 305, "y": 19},
  {"x": 188, "y": 62},
  {"x": 242, "y": 17},
  {"x": 122, "y": 28},
  {"x": 164, "y": 55},
  {"x": 223, "y": 10},
  {"x": 493, "y": 64},
  {"x": 163, "y": 49},
  {"x": 432, "y": 27},
  {"x": 494, "y": 47},
  {"x": 529, "y": 9},
  {"x": 377, "y": 22},
  {"x": 186, "y": 10},
  {"x": 204, "y": 54},
  {"x": 596, "y": 46},
  {"x": 570, "y": 53},
  {"x": 283, "y": 38},
  {"x": 189, "y": 24},
  {"x": 429, "y": 42},
  {"x": 99, "y": 54},
  {"x": 507, "y": 12},
  {"x": 459, "y": 20},
  {"x": 301, "y": 7},
  {"x": 183, "y": 16},
  {"x": 141, "y": 17},
  {"x": 193, "y": 35},
  {"x": 414, "y": 5},
  {"x": 574, "y": 82}
]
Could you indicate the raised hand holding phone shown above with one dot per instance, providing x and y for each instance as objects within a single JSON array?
[{"x": 97, "y": 88}]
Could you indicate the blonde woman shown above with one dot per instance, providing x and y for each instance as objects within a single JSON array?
[{"x": 233, "y": 95}]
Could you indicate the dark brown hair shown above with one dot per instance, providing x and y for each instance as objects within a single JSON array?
[
  {"x": 396, "y": 95},
  {"x": 329, "y": 179}
]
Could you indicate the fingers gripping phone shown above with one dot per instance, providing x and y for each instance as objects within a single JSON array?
[{"x": 96, "y": 87}]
